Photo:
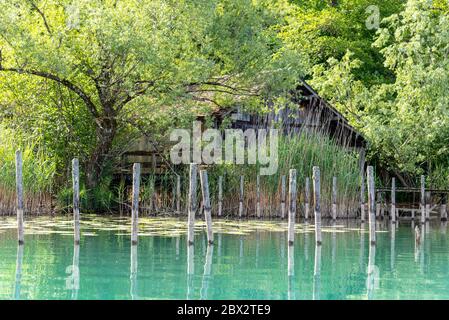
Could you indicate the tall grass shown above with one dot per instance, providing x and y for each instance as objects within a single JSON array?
[
  {"x": 38, "y": 174},
  {"x": 300, "y": 152}
]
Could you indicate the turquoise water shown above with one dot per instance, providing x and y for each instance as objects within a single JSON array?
[{"x": 250, "y": 260}]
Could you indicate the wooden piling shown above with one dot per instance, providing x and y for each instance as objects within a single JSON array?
[
  {"x": 362, "y": 197},
  {"x": 135, "y": 203},
  {"x": 19, "y": 196},
  {"x": 443, "y": 208},
  {"x": 207, "y": 207},
  {"x": 428, "y": 205},
  {"x": 258, "y": 197},
  {"x": 241, "y": 196},
  {"x": 192, "y": 203},
  {"x": 178, "y": 194},
  {"x": 291, "y": 206},
  {"x": 317, "y": 203},
  {"x": 423, "y": 199},
  {"x": 371, "y": 205},
  {"x": 334, "y": 198},
  {"x": 393, "y": 200},
  {"x": 220, "y": 195},
  {"x": 307, "y": 199},
  {"x": 76, "y": 199},
  {"x": 377, "y": 196},
  {"x": 283, "y": 196}
]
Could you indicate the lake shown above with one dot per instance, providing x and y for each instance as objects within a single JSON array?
[{"x": 249, "y": 260}]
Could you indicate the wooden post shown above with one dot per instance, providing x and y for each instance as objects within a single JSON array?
[
  {"x": 443, "y": 209},
  {"x": 393, "y": 200},
  {"x": 377, "y": 196},
  {"x": 258, "y": 197},
  {"x": 207, "y": 207},
  {"x": 178, "y": 194},
  {"x": 220, "y": 195},
  {"x": 428, "y": 205},
  {"x": 371, "y": 205},
  {"x": 307, "y": 199},
  {"x": 362, "y": 197},
  {"x": 423, "y": 199},
  {"x": 317, "y": 203},
  {"x": 283, "y": 196},
  {"x": 334, "y": 198},
  {"x": 135, "y": 203},
  {"x": 192, "y": 203},
  {"x": 362, "y": 185},
  {"x": 291, "y": 206},
  {"x": 76, "y": 199},
  {"x": 241, "y": 196},
  {"x": 19, "y": 195}
]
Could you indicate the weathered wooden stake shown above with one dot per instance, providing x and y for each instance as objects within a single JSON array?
[
  {"x": 423, "y": 199},
  {"x": 371, "y": 205},
  {"x": 220, "y": 195},
  {"x": 135, "y": 203},
  {"x": 443, "y": 208},
  {"x": 258, "y": 197},
  {"x": 317, "y": 203},
  {"x": 334, "y": 198},
  {"x": 378, "y": 204},
  {"x": 178, "y": 194},
  {"x": 393, "y": 200},
  {"x": 19, "y": 195},
  {"x": 207, "y": 207},
  {"x": 76, "y": 199},
  {"x": 427, "y": 205},
  {"x": 291, "y": 206},
  {"x": 241, "y": 196},
  {"x": 307, "y": 199},
  {"x": 283, "y": 196},
  {"x": 192, "y": 203},
  {"x": 362, "y": 198}
]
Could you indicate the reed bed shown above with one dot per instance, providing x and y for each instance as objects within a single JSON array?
[{"x": 38, "y": 176}]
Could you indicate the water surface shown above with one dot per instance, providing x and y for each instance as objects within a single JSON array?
[{"x": 249, "y": 260}]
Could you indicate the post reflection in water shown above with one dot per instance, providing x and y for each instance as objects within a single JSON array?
[
  {"x": 443, "y": 228},
  {"x": 207, "y": 271},
  {"x": 291, "y": 272},
  {"x": 133, "y": 273},
  {"x": 219, "y": 236},
  {"x": 306, "y": 241},
  {"x": 257, "y": 247},
  {"x": 18, "y": 280},
  {"x": 177, "y": 247},
  {"x": 372, "y": 273},
  {"x": 190, "y": 271},
  {"x": 392, "y": 246},
  {"x": 334, "y": 245},
  {"x": 317, "y": 274},
  {"x": 362, "y": 247},
  {"x": 76, "y": 271}
]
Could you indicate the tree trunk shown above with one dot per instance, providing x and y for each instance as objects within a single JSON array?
[{"x": 106, "y": 131}]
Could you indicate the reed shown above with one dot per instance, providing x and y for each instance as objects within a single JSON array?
[{"x": 38, "y": 176}]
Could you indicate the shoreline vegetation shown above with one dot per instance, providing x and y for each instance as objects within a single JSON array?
[{"x": 158, "y": 192}]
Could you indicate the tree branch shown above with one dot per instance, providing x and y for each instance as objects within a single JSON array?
[
  {"x": 86, "y": 99},
  {"x": 42, "y": 16}
]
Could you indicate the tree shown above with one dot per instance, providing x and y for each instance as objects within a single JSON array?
[{"x": 118, "y": 57}]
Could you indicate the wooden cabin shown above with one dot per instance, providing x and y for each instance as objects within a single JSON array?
[{"x": 311, "y": 112}]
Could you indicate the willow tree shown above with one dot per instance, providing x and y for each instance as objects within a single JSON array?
[{"x": 117, "y": 56}]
